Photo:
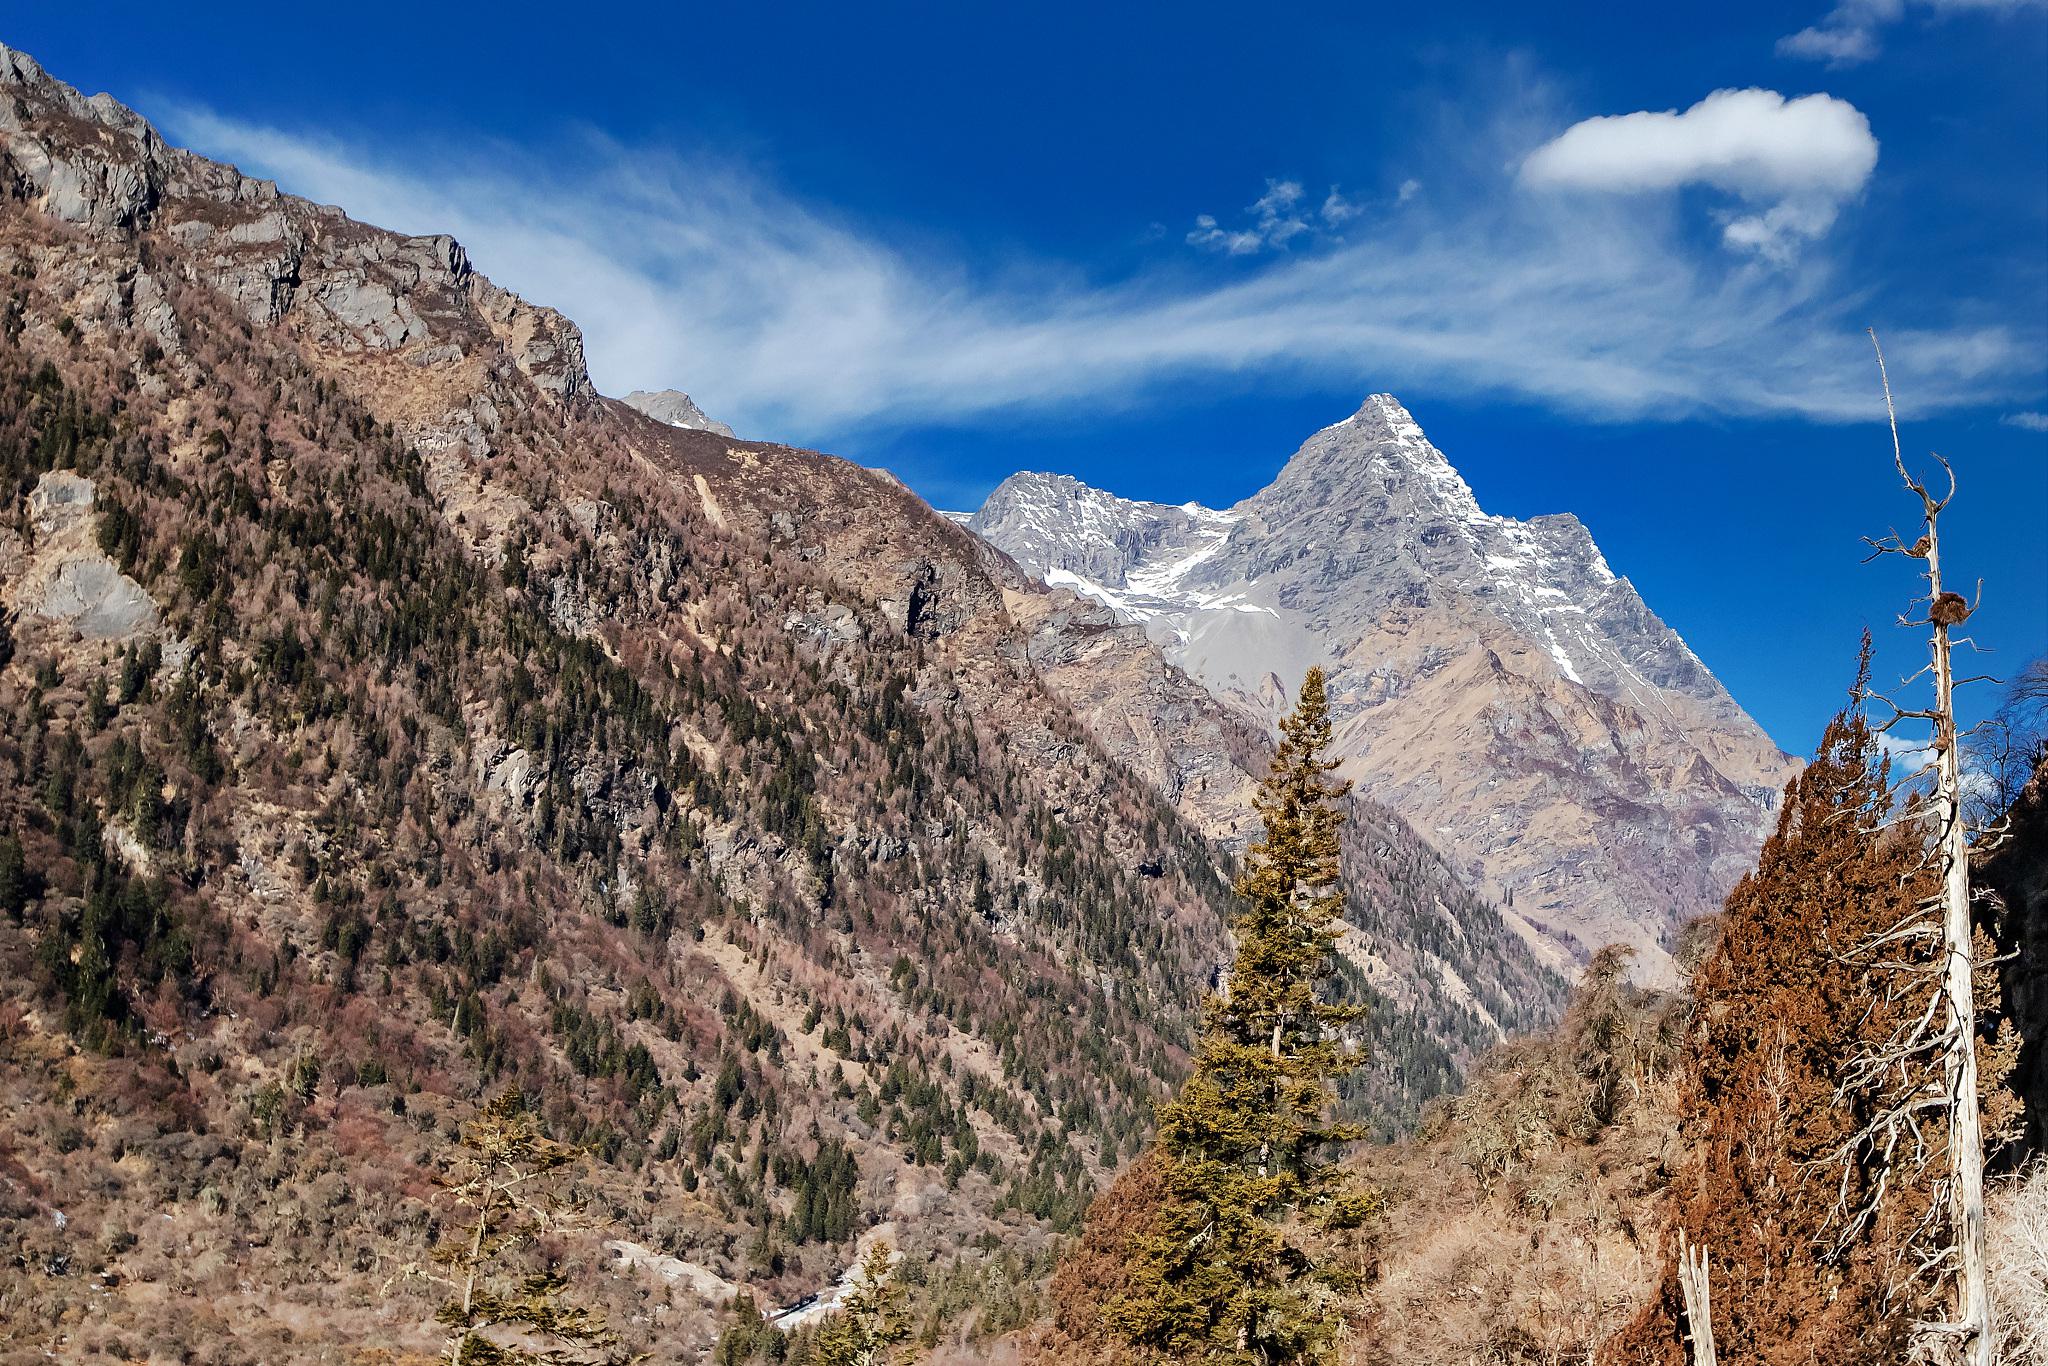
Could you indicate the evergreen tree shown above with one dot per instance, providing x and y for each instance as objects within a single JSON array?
[
  {"x": 1775, "y": 1159},
  {"x": 490, "y": 1313},
  {"x": 19, "y": 883},
  {"x": 871, "y": 1318},
  {"x": 1247, "y": 1150},
  {"x": 750, "y": 1337}
]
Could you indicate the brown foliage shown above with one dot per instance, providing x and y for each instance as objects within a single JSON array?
[
  {"x": 1771, "y": 1155},
  {"x": 2015, "y": 873},
  {"x": 1517, "y": 1229},
  {"x": 1097, "y": 1270}
]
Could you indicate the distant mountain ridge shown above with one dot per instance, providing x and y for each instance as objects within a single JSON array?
[
  {"x": 1493, "y": 680},
  {"x": 676, "y": 408}
]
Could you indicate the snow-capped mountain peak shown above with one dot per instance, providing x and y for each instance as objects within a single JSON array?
[
  {"x": 1380, "y": 454},
  {"x": 1369, "y": 554}
]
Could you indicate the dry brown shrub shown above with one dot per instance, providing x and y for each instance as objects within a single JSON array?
[
  {"x": 1098, "y": 1269},
  {"x": 1773, "y": 1160}
]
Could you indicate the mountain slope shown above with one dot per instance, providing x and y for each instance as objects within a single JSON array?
[
  {"x": 392, "y": 720},
  {"x": 1443, "y": 974},
  {"x": 1493, "y": 680}
]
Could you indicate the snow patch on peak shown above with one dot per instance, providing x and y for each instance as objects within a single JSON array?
[{"x": 1397, "y": 420}]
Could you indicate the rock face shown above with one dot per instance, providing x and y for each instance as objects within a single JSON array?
[
  {"x": 676, "y": 408},
  {"x": 61, "y": 576},
  {"x": 1159, "y": 723},
  {"x": 406, "y": 313},
  {"x": 1493, "y": 680}
]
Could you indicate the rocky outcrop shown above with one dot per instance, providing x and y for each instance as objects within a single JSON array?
[
  {"x": 106, "y": 167},
  {"x": 348, "y": 289},
  {"x": 1493, "y": 680},
  {"x": 62, "y": 577}
]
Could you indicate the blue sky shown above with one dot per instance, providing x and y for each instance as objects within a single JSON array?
[{"x": 1157, "y": 247}]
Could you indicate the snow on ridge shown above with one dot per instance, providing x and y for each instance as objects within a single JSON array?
[
  {"x": 1171, "y": 565},
  {"x": 1162, "y": 579},
  {"x": 1389, "y": 433},
  {"x": 1115, "y": 601},
  {"x": 1398, "y": 420}
]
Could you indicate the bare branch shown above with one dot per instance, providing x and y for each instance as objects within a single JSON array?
[
  {"x": 1950, "y": 471},
  {"x": 1890, "y": 412}
]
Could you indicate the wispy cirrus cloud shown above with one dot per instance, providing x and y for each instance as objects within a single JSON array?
[
  {"x": 1276, "y": 218},
  {"x": 1850, "y": 33},
  {"x": 788, "y": 319}
]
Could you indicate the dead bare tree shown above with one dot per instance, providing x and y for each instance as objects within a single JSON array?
[
  {"x": 1925, "y": 1073},
  {"x": 1699, "y": 1306}
]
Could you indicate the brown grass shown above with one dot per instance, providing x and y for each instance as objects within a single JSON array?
[{"x": 2017, "y": 1237}]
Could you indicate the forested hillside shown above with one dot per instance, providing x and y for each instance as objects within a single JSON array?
[
  {"x": 393, "y": 722},
  {"x": 393, "y": 784}
]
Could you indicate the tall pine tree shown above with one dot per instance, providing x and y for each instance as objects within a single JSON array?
[{"x": 1229, "y": 1270}]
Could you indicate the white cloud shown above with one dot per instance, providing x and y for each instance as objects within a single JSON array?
[
  {"x": 1206, "y": 233},
  {"x": 1906, "y": 751},
  {"x": 1278, "y": 216},
  {"x": 789, "y": 320},
  {"x": 1792, "y": 163},
  {"x": 1409, "y": 189},
  {"x": 1276, "y": 220},
  {"x": 1913, "y": 760},
  {"x": 1848, "y": 33},
  {"x": 1276, "y": 207},
  {"x": 1752, "y": 142},
  {"x": 2027, "y": 422}
]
